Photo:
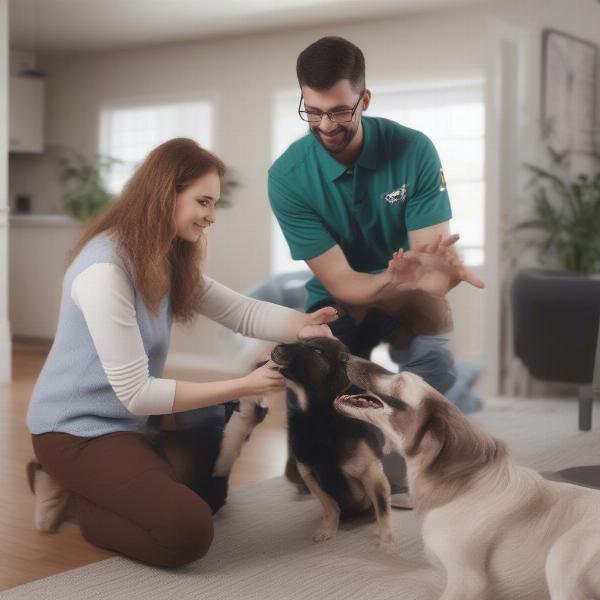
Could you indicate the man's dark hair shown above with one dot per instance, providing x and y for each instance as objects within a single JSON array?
[{"x": 327, "y": 61}]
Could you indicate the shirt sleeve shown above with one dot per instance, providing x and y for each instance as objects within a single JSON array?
[
  {"x": 429, "y": 203},
  {"x": 250, "y": 317},
  {"x": 302, "y": 227},
  {"x": 105, "y": 295}
]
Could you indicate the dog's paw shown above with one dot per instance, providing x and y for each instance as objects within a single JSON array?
[
  {"x": 254, "y": 409},
  {"x": 324, "y": 533},
  {"x": 387, "y": 545}
]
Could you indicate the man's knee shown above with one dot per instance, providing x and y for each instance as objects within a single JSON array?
[
  {"x": 430, "y": 357},
  {"x": 439, "y": 368}
]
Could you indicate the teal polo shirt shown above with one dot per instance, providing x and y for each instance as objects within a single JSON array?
[{"x": 395, "y": 186}]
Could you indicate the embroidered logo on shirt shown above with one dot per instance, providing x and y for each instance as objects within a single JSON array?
[
  {"x": 442, "y": 181},
  {"x": 398, "y": 195}
]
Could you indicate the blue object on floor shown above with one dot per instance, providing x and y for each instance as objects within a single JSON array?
[{"x": 460, "y": 393}]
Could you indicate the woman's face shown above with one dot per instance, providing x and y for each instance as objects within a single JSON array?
[{"x": 195, "y": 206}]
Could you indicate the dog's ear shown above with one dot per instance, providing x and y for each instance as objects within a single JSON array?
[
  {"x": 425, "y": 421},
  {"x": 451, "y": 445}
]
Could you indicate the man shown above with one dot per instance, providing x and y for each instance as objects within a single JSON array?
[{"x": 351, "y": 197}]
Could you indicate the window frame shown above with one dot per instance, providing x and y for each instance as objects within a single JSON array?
[{"x": 107, "y": 108}]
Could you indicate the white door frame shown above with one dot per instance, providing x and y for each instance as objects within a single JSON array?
[
  {"x": 5, "y": 341},
  {"x": 505, "y": 88}
]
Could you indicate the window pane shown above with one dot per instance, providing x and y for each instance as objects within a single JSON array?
[
  {"x": 287, "y": 127},
  {"x": 130, "y": 133},
  {"x": 468, "y": 211},
  {"x": 466, "y": 120},
  {"x": 453, "y": 117},
  {"x": 462, "y": 159}
]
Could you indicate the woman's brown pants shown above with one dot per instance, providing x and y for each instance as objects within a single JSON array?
[{"x": 151, "y": 501}]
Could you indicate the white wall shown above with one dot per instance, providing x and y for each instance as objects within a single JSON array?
[
  {"x": 580, "y": 18},
  {"x": 242, "y": 74},
  {"x": 5, "y": 345}
]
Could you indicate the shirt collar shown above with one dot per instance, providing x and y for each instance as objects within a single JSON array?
[{"x": 367, "y": 157}]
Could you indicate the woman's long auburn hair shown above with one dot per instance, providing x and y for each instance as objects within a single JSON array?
[{"x": 143, "y": 225}]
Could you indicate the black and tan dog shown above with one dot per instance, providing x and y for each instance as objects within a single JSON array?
[{"x": 338, "y": 458}]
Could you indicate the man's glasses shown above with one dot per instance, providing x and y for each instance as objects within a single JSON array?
[{"x": 337, "y": 116}]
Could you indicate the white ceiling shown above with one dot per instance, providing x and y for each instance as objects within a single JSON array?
[{"x": 57, "y": 26}]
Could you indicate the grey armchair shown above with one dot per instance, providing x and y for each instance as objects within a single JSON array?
[
  {"x": 285, "y": 289},
  {"x": 556, "y": 327}
]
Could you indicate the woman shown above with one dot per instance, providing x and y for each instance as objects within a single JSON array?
[{"x": 134, "y": 270}]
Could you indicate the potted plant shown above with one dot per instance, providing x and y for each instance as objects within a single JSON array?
[
  {"x": 228, "y": 184},
  {"x": 566, "y": 212},
  {"x": 85, "y": 194}
]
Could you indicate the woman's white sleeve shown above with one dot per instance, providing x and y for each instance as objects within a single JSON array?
[
  {"x": 250, "y": 317},
  {"x": 105, "y": 296}
]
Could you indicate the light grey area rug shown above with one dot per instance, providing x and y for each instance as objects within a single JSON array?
[{"x": 263, "y": 548}]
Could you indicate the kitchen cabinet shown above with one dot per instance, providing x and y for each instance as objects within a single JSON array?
[
  {"x": 26, "y": 115},
  {"x": 38, "y": 249}
]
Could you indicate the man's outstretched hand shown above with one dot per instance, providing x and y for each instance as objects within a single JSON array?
[{"x": 434, "y": 268}]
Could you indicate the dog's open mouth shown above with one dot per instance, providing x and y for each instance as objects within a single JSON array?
[{"x": 359, "y": 401}]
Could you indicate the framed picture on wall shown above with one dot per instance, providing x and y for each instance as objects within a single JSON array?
[{"x": 569, "y": 86}]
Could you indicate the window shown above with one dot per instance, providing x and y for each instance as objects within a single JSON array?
[
  {"x": 287, "y": 127},
  {"x": 451, "y": 114},
  {"x": 129, "y": 132}
]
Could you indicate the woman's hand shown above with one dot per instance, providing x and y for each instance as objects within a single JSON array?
[
  {"x": 435, "y": 268},
  {"x": 264, "y": 380},
  {"x": 315, "y": 324}
]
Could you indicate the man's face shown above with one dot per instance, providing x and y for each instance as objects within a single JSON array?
[{"x": 334, "y": 136}]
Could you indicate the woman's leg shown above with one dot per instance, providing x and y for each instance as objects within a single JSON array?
[{"x": 129, "y": 498}]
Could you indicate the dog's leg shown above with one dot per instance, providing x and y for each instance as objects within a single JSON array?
[
  {"x": 464, "y": 563},
  {"x": 572, "y": 570},
  {"x": 331, "y": 510},
  {"x": 592, "y": 574},
  {"x": 237, "y": 431},
  {"x": 464, "y": 583},
  {"x": 377, "y": 487},
  {"x": 367, "y": 468}
]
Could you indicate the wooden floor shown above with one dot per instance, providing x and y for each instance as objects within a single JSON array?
[{"x": 27, "y": 554}]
